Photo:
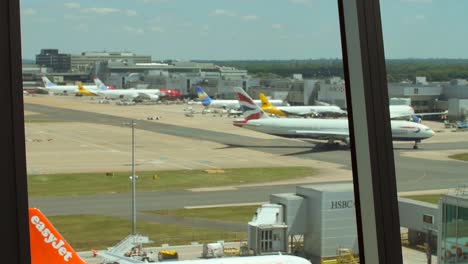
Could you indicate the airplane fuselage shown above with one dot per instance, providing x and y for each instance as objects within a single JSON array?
[
  {"x": 401, "y": 111},
  {"x": 130, "y": 93},
  {"x": 305, "y": 110},
  {"x": 234, "y": 104},
  {"x": 66, "y": 89},
  {"x": 331, "y": 128}
]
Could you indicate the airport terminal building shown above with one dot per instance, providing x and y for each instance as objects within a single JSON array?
[{"x": 319, "y": 222}]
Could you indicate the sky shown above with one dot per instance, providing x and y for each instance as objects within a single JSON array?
[{"x": 236, "y": 29}]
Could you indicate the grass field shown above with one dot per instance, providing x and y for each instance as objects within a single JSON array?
[
  {"x": 241, "y": 214},
  {"x": 93, "y": 183},
  {"x": 86, "y": 232},
  {"x": 41, "y": 121},
  {"x": 461, "y": 156},
  {"x": 433, "y": 198}
]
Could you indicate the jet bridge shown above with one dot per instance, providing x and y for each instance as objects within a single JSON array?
[{"x": 267, "y": 231}]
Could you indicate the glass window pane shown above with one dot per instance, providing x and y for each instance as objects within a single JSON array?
[
  {"x": 154, "y": 96},
  {"x": 427, "y": 84}
]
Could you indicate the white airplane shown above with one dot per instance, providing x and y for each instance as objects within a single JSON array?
[
  {"x": 322, "y": 129},
  {"x": 125, "y": 94},
  {"x": 48, "y": 246},
  {"x": 406, "y": 112},
  {"x": 302, "y": 110},
  {"x": 62, "y": 89},
  {"x": 225, "y": 104}
]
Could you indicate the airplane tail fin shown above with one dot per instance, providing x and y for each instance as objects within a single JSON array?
[
  {"x": 250, "y": 110},
  {"x": 46, "y": 243},
  {"x": 265, "y": 102},
  {"x": 47, "y": 82},
  {"x": 100, "y": 85},
  {"x": 81, "y": 88},
  {"x": 204, "y": 98},
  {"x": 83, "y": 91}
]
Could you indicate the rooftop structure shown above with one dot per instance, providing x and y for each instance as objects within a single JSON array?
[
  {"x": 51, "y": 58},
  {"x": 86, "y": 60}
]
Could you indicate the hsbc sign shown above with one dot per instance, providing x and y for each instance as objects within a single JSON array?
[{"x": 343, "y": 204}]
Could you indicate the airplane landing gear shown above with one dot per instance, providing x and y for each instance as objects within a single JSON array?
[{"x": 415, "y": 146}]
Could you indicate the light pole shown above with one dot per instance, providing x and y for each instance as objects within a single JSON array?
[{"x": 133, "y": 178}]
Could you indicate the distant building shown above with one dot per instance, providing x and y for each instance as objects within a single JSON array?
[
  {"x": 51, "y": 58},
  {"x": 86, "y": 60}
]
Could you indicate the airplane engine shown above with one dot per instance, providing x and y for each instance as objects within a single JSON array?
[
  {"x": 347, "y": 141},
  {"x": 154, "y": 97},
  {"x": 416, "y": 119}
]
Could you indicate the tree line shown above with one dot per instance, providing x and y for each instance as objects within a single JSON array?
[{"x": 397, "y": 69}]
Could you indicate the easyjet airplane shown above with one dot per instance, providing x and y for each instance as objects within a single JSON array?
[{"x": 48, "y": 246}]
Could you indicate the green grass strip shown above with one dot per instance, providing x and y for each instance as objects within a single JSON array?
[
  {"x": 432, "y": 198},
  {"x": 461, "y": 156},
  {"x": 86, "y": 232},
  {"x": 242, "y": 214},
  {"x": 100, "y": 183}
]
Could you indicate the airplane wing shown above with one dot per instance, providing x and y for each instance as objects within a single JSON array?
[
  {"x": 118, "y": 258},
  {"x": 397, "y": 115},
  {"x": 427, "y": 114},
  {"x": 147, "y": 96},
  {"x": 304, "y": 113}
]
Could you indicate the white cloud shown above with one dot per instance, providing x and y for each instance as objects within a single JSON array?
[
  {"x": 250, "y": 18},
  {"x": 72, "y": 5},
  {"x": 101, "y": 10},
  {"x": 131, "y": 13},
  {"x": 73, "y": 17},
  {"x": 29, "y": 11},
  {"x": 134, "y": 30},
  {"x": 222, "y": 12},
  {"x": 276, "y": 26}
]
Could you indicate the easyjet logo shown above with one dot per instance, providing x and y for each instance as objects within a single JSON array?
[{"x": 50, "y": 238}]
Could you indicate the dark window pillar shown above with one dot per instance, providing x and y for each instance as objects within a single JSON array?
[{"x": 13, "y": 189}]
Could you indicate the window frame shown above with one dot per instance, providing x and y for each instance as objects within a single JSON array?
[
  {"x": 373, "y": 165},
  {"x": 13, "y": 190}
]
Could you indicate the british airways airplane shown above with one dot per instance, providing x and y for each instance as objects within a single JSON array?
[{"x": 315, "y": 128}]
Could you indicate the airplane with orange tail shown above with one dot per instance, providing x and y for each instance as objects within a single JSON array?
[
  {"x": 303, "y": 110},
  {"x": 83, "y": 91},
  {"x": 46, "y": 243},
  {"x": 48, "y": 246}
]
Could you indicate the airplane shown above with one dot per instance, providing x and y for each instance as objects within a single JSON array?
[
  {"x": 125, "y": 94},
  {"x": 165, "y": 93},
  {"x": 206, "y": 101},
  {"x": 84, "y": 91},
  {"x": 48, "y": 246},
  {"x": 321, "y": 129},
  {"x": 170, "y": 94},
  {"x": 400, "y": 112},
  {"x": 299, "y": 110},
  {"x": 406, "y": 112},
  {"x": 62, "y": 89}
]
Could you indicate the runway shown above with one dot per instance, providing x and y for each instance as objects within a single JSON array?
[{"x": 413, "y": 173}]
